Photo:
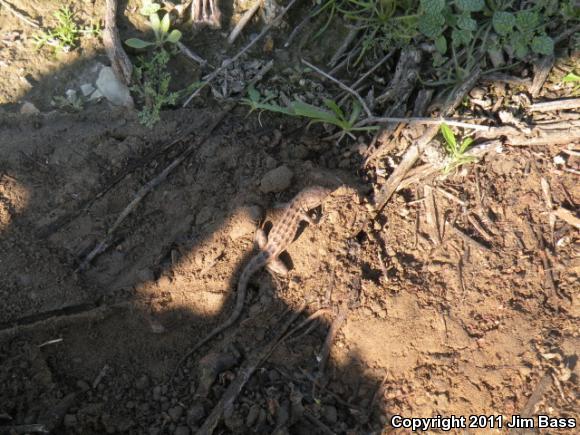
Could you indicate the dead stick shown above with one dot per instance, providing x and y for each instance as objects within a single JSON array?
[
  {"x": 214, "y": 74},
  {"x": 244, "y": 21},
  {"x": 18, "y": 15},
  {"x": 187, "y": 52},
  {"x": 245, "y": 373},
  {"x": 567, "y": 216},
  {"x": 120, "y": 62},
  {"x": 104, "y": 244},
  {"x": 423, "y": 121},
  {"x": 548, "y": 106}
]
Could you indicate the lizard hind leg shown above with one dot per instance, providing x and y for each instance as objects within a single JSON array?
[
  {"x": 278, "y": 267},
  {"x": 261, "y": 239}
]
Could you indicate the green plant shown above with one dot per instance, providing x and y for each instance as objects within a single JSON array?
[
  {"x": 151, "y": 74},
  {"x": 65, "y": 35},
  {"x": 384, "y": 23},
  {"x": 455, "y": 150},
  {"x": 575, "y": 80},
  {"x": 160, "y": 29},
  {"x": 492, "y": 25},
  {"x": 332, "y": 115},
  {"x": 152, "y": 86}
]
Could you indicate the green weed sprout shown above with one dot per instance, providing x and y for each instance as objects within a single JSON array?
[
  {"x": 160, "y": 29},
  {"x": 575, "y": 80},
  {"x": 332, "y": 115},
  {"x": 65, "y": 35},
  {"x": 455, "y": 150}
]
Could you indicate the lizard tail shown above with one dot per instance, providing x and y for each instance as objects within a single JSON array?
[{"x": 252, "y": 267}]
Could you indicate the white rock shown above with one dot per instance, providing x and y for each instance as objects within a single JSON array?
[
  {"x": 87, "y": 89},
  {"x": 112, "y": 89},
  {"x": 28, "y": 109}
]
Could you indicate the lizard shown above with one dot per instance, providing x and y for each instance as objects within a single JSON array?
[{"x": 280, "y": 237}]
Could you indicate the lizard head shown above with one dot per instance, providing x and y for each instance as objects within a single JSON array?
[{"x": 311, "y": 197}]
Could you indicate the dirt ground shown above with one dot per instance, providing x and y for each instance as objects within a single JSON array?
[{"x": 478, "y": 319}]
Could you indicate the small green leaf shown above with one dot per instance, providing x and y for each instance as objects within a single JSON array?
[
  {"x": 521, "y": 50},
  {"x": 356, "y": 109},
  {"x": 331, "y": 104},
  {"x": 431, "y": 25},
  {"x": 138, "y": 43},
  {"x": 149, "y": 8},
  {"x": 461, "y": 37},
  {"x": 165, "y": 24},
  {"x": 571, "y": 78},
  {"x": 448, "y": 136},
  {"x": 174, "y": 36},
  {"x": 441, "y": 44},
  {"x": 543, "y": 45},
  {"x": 155, "y": 23},
  {"x": 433, "y": 7},
  {"x": 503, "y": 22},
  {"x": 253, "y": 93},
  {"x": 470, "y": 5},
  {"x": 465, "y": 144},
  {"x": 465, "y": 22},
  {"x": 527, "y": 20}
]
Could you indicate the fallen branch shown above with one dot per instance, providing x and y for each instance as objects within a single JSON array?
[
  {"x": 553, "y": 133},
  {"x": 60, "y": 222},
  {"x": 245, "y": 373},
  {"x": 549, "y": 106},
  {"x": 214, "y": 74},
  {"x": 105, "y": 243},
  {"x": 424, "y": 121},
  {"x": 122, "y": 66}
]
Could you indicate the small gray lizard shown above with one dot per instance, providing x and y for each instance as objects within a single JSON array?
[{"x": 277, "y": 241}]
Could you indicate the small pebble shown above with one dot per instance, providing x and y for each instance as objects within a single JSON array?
[
  {"x": 276, "y": 180},
  {"x": 28, "y": 109}
]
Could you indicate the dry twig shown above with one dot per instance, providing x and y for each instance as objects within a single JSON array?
[
  {"x": 105, "y": 243},
  {"x": 19, "y": 15},
  {"x": 567, "y": 216},
  {"x": 187, "y": 52},
  {"x": 244, "y": 21},
  {"x": 550, "y": 106}
]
